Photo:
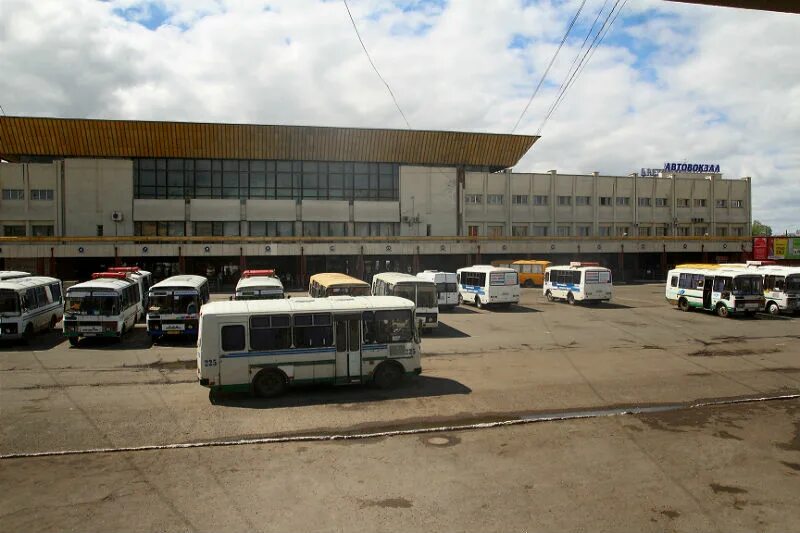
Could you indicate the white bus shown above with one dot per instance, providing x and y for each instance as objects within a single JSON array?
[
  {"x": 258, "y": 285},
  {"x": 446, "y": 287},
  {"x": 578, "y": 282},
  {"x": 488, "y": 285},
  {"x": 142, "y": 277},
  {"x": 781, "y": 285},
  {"x": 174, "y": 306},
  {"x": 13, "y": 274},
  {"x": 264, "y": 346},
  {"x": 106, "y": 306},
  {"x": 422, "y": 293},
  {"x": 725, "y": 290},
  {"x": 28, "y": 305}
]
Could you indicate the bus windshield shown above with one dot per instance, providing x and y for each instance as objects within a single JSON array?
[
  {"x": 446, "y": 287},
  {"x": 348, "y": 290},
  {"x": 426, "y": 296},
  {"x": 388, "y": 326},
  {"x": 407, "y": 291},
  {"x": 793, "y": 282},
  {"x": 93, "y": 305},
  {"x": 260, "y": 296},
  {"x": 9, "y": 302},
  {"x": 174, "y": 303},
  {"x": 748, "y": 285}
]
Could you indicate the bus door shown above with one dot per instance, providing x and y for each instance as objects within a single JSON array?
[
  {"x": 708, "y": 284},
  {"x": 348, "y": 348}
]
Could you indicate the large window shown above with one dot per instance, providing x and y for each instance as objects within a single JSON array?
[
  {"x": 565, "y": 200},
  {"x": 42, "y": 230},
  {"x": 324, "y": 229},
  {"x": 605, "y": 200},
  {"x": 583, "y": 200},
  {"x": 216, "y": 229},
  {"x": 519, "y": 199},
  {"x": 623, "y": 200},
  {"x": 14, "y": 230},
  {"x": 540, "y": 199},
  {"x": 519, "y": 230},
  {"x": 495, "y": 230},
  {"x": 540, "y": 231},
  {"x": 13, "y": 194},
  {"x": 494, "y": 199},
  {"x": 473, "y": 198},
  {"x": 645, "y": 202},
  {"x": 377, "y": 229},
  {"x": 41, "y": 194},
  {"x": 387, "y": 326},
  {"x": 270, "y": 332},
  {"x": 260, "y": 179},
  {"x": 272, "y": 229},
  {"x": 160, "y": 229},
  {"x": 313, "y": 330}
]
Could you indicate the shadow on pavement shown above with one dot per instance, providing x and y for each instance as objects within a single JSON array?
[
  {"x": 40, "y": 342},
  {"x": 307, "y": 395},
  {"x": 461, "y": 310},
  {"x": 444, "y": 331}
]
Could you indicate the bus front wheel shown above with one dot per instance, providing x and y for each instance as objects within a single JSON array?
[
  {"x": 773, "y": 309},
  {"x": 270, "y": 383},
  {"x": 549, "y": 296},
  {"x": 570, "y": 299},
  {"x": 722, "y": 310},
  {"x": 73, "y": 341},
  {"x": 478, "y": 302},
  {"x": 683, "y": 304},
  {"x": 528, "y": 283},
  {"x": 387, "y": 375}
]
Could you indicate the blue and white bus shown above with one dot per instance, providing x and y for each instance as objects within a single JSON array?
[
  {"x": 174, "y": 306},
  {"x": 488, "y": 285},
  {"x": 578, "y": 282},
  {"x": 29, "y": 304}
]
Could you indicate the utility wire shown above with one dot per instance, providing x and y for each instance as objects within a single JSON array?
[
  {"x": 375, "y": 68},
  {"x": 572, "y": 78},
  {"x": 2, "y": 110},
  {"x": 538, "y": 85}
]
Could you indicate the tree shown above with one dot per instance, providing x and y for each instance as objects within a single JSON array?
[{"x": 760, "y": 229}]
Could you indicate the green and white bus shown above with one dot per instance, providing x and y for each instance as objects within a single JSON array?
[
  {"x": 264, "y": 346},
  {"x": 725, "y": 290}
]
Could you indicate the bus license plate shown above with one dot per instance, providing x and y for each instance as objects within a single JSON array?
[
  {"x": 172, "y": 328},
  {"x": 90, "y": 329}
]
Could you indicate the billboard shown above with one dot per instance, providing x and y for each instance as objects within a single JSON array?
[{"x": 776, "y": 248}]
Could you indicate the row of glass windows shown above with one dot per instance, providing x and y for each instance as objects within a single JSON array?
[
  {"x": 522, "y": 230},
  {"x": 37, "y": 230},
  {"x": 231, "y": 178},
  {"x": 522, "y": 199},
  {"x": 36, "y": 194},
  {"x": 266, "y": 229}
]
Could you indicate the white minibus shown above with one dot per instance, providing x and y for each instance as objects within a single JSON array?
[
  {"x": 488, "y": 285},
  {"x": 422, "y": 293},
  {"x": 781, "y": 288},
  {"x": 106, "y": 306},
  {"x": 725, "y": 290},
  {"x": 13, "y": 274},
  {"x": 29, "y": 304},
  {"x": 174, "y": 306},
  {"x": 258, "y": 285},
  {"x": 142, "y": 277},
  {"x": 446, "y": 287},
  {"x": 578, "y": 282},
  {"x": 263, "y": 346}
]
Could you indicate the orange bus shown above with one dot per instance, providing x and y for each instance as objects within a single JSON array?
[{"x": 531, "y": 271}]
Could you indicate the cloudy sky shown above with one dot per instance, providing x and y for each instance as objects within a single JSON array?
[{"x": 670, "y": 82}]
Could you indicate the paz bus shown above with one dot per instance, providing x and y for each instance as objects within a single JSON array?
[
  {"x": 108, "y": 305},
  {"x": 725, "y": 290},
  {"x": 258, "y": 285},
  {"x": 29, "y": 304},
  {"x": 578, "y": 282},
  {"x": 421, "y": 292},
  {"x": 335, "y": 284},
  {"x": 142, "y": 277},
  {"x": 13, "y": 274},
  {"x": 488, "y": 285},
  {"x": 264, "y": 346},
  {"x": 446, "y": 287},
  {"x": 174, "y": 306},
  {"x": 781, "y": 285},
  {"x": 530, "y": 271}
]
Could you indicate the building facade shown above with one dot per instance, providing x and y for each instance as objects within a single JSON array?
[{"x": 215, "y": 197}]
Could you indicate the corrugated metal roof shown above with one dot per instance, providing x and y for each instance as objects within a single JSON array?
[
  {"x": 33, "y": 136},
  {"x": 786, "y": 6}
]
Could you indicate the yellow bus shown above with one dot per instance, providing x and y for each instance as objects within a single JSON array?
[
  {"x": 531, "y": 271},
  {"x": 336, "y": 284}
]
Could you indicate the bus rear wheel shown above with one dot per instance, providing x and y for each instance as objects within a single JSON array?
[
  {"x": 570, "y": 299},
  {"x": 722, "y": 310},
  {"x": 270, "y": 383},
  {"x": 528, "y": 283},
  {"x": 387, "y": 375},
  {"x": 683, "y": 304}
]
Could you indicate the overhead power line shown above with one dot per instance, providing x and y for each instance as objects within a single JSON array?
[
  {"x": 544, "y": 75},
  {"x": 375, "y": 68}
]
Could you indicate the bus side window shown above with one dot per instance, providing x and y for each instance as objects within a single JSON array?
[
  {"x": 673, "y": 282},
  {"x": 547, "y": 277},
  {"x": 232, "y": 338},
  {"x": 458, "y": 278},
  {"x": 368, "y": 318},
  {"x": 779, "y": 283}
]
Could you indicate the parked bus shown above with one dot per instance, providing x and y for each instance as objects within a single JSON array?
[
  {"x": 422, "y": 293},
  {"x": 106, "y": 306},
  {"x": 781, "y": 285},
  {"x": 530, "y": 271},
  {"x": 265, "y": 346},
  {"x": 578, "y": 282},
  {"x": 258, "y": 285},
  {"x": 13, "y": 274},
  {"x": 724, "y": 290},
  {"x": 174, "y": 306},
  {"x": 488, "y": 285},
  {"x": 446, "y": 287},
  {"x": 336, "y": 284},
  {"x": 29, "y": 304},
  {"x": 142, "y": 277}
]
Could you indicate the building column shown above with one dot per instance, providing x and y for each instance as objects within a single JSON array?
[
  {"x": 181, "y": 261},
  {"x": 302, "y": 268},
  {"x": 622, "y": 260}
]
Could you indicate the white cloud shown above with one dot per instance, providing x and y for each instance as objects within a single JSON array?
[{"x": 708, "y": 84}]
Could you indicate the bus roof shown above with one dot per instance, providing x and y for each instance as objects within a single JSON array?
[
  {"x": 307, "y": 305},
  {"x": 715, "y": 271},
  {"x": 180, "y": 282},
  {"x": 432, "y": 275},
  {"x": 707, "y": 266},
  {"x": 398, "y": 277},
  {"x": 331, "y": 279},
  {"x": 485, "y": 268},
  {"x": 13, "y": 274},
  {"x": 26, "y": 282},
  {"x": 102, "y": 283},
  {"x": 259, "y": 281},
  {"x": 577, "y": 267}
]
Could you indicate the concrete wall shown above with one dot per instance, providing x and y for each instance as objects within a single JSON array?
[
  {"x": 371, "y": 211},
  {"x": 216, "y": 210},
  {"x": 325, "y": 210},
  {"x": 159, "y": 210},
  {"x": 430, "y": 194},
  {"x": 271, "y": 210},
  {"x": 29, "y": 212},
  {"x": 93, "y": 190}
]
